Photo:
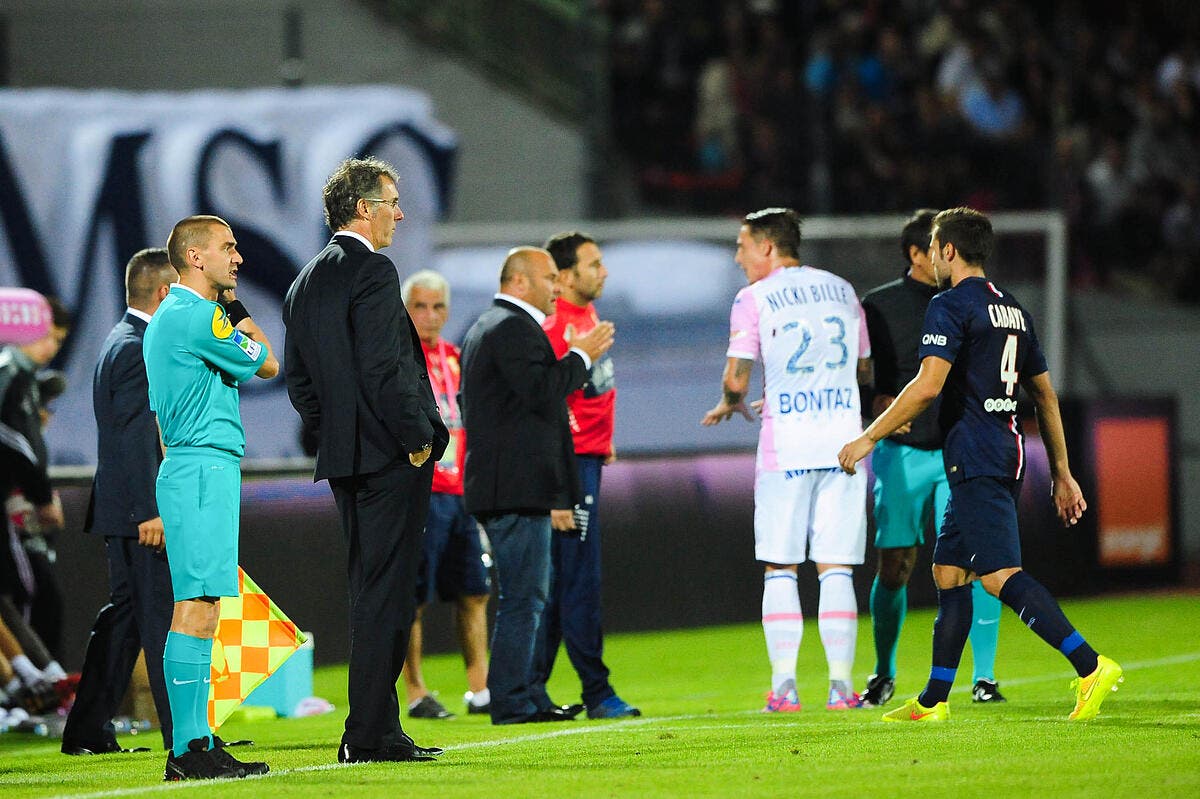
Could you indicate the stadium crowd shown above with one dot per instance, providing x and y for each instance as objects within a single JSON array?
[
  {"x": 835, "y": 107},
  {"x": 719, "y": 104}
]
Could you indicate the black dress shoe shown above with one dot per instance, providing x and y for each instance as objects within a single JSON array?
[
  {"x": 106, "y": 748},
  {"x": 427, "y": 707},
  {"x": 394, "y": 753},
  {"x": 548, "y": 714}
]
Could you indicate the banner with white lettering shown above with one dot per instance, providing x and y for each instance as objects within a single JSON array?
[{"x": 89, "y": 178}]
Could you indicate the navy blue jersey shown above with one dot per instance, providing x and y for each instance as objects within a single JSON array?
[{"x": 988, "y": 338}]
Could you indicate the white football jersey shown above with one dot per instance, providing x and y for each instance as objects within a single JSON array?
[{"x": 808, "y": 329}]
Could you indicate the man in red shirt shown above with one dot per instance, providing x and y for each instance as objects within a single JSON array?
[
  {"x": 452, "y": 565},
  {"x": 573, "y": 612}
]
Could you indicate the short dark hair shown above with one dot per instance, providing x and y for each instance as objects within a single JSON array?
[
  {"x": 970, "y": 232},
  {"x": 780, "y": 225},
  {"x": 916, "y": 231},
  {"x": 563, "y": 248},
  {"x": 190, "y": 232},
  {"x": 144, "y": 273},
  {"x": 354, "y": 179}
]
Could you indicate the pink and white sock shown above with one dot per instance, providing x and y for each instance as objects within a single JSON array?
[
  {"x": 837, "y": 619},
  {"x": 783, "y": 625}
]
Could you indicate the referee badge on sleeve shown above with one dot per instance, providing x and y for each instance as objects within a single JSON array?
[
  {"x": 220, "y": 324},
  {"x": 247, "y": 345}
]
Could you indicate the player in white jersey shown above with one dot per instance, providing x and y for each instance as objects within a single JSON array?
[{"x": 808, "y": 328}]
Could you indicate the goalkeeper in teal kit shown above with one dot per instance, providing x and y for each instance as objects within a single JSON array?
[{"x": 199, "y": 347}]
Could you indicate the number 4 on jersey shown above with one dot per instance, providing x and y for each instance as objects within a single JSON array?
[{"x": 1008, "y": 365}]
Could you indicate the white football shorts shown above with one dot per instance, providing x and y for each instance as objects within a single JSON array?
[{"x": 821, "y": 512}]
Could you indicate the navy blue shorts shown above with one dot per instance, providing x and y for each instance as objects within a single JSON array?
[
  {"x": 452, "y": 561},
  {"x": 979, "y": 532}
]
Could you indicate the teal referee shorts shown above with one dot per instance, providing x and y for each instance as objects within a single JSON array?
[
  {"x": 910, "y": 491},
  {"x": 199, "y": 494}
]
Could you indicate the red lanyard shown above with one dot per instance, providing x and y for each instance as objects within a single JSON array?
[{"x": 441, "y": 383}]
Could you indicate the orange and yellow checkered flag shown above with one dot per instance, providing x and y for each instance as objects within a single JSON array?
[{"x": 253, "y": 639}]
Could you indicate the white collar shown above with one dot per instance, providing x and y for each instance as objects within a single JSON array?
[
  {"x": 358, "y": 236},
  {"x": 192, "y": 290},
  {"x": 145, "y": 317},
  {"x": 537, "y": 315}
]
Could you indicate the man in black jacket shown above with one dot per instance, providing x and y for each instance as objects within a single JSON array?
[
  {"x": 356, "y": 374},
  {"x": 520, "y": 472},
  {"x": 124, "y": 510}
]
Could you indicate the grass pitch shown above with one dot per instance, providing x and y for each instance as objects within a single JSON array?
[{"x": 702, "y": 734}]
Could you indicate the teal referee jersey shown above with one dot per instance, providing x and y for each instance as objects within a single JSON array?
[{"x": 195, "y": 361}]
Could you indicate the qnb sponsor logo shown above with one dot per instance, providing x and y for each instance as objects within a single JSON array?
[
  {"x": 1001, "y": 404},
  {"x": 934, "y": 338}
]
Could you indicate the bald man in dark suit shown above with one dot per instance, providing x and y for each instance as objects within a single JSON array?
[{"x": 519, "y": 476}]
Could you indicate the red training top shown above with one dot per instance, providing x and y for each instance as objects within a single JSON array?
[
  {"x": 592, "y": 408},
  {"x": 442, "y": 363}
]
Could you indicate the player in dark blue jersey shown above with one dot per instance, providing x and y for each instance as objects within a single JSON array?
[
  {"x": 910, "y": 481},
  {"x": 977, "y": 346}
]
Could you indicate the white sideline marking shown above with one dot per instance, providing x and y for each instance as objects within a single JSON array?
[
  {"x": 630, "y": 724},
  {"x": 579, "y": 730},
  {"x": 1135, "y": 665},
  {"x": 623, "y": 725}
]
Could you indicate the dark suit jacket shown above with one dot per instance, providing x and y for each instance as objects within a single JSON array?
[
  {"x": 354, "y": 365},
  {"x": 127, "y": 444},
  {"x": 520, "y": 456}
]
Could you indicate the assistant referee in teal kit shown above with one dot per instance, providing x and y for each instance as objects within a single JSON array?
[{"x": 198, "y": 350}]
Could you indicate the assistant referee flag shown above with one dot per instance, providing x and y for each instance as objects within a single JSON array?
[{"x": 253, "y": 639}]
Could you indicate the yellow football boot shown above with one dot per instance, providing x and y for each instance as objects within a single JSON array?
[
  {"x": 1091, "y": 691},
  {"x": 912, "y": 710}
]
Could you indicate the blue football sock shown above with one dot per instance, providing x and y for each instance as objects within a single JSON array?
[
  {"x": 985, "y": 632},
  {"x": 187, "y": 661},
  {"x": 888, "y": 609},
  {"x": 950, "y": 630},
  {"x": 1037, "y": 608}
]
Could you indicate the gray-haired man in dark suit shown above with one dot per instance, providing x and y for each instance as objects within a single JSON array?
[{"x": 356, "y": 374}]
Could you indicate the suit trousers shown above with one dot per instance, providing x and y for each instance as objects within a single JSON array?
[
  {"x": 383, "y": 521},
  {"x": 137, "y": 616},
  {"x": 573, "y": 613},
  {"x": 521, "y": 551}
]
